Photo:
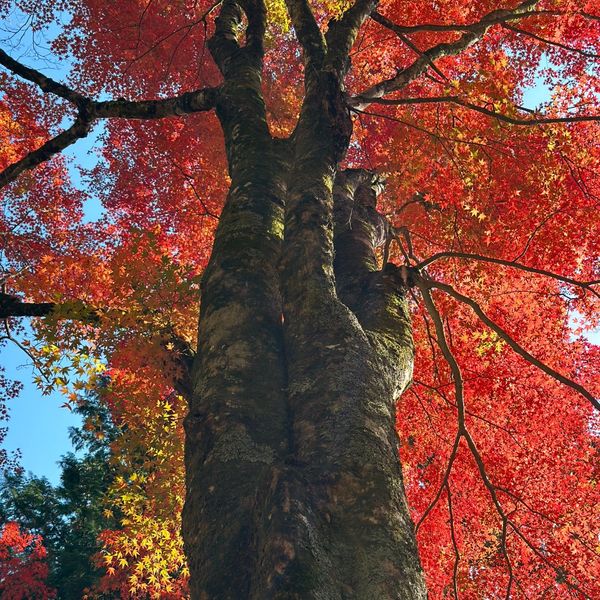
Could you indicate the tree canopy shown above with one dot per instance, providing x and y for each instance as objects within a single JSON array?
[{"x": 491, "y": 206}]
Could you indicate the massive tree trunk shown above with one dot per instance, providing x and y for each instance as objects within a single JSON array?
[{"x": 294, "y": 486}]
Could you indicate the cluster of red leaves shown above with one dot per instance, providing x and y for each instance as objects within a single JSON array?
[{"x": 23, "y": 566}]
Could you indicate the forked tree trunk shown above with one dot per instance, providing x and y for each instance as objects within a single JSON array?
[{"x": 294, "y": 486}]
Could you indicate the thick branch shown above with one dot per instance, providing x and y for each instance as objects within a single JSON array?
[
  {"x": 12, "y": 306},
  {"x": 341, "y": 34},
  {"x": 419, "y": 66},
  {"x": 256, "y": 13},
  {"x": 187, "y": 103},
  {"x": 307, "y": 31},
  {"x": 46, "y": 84},
  {"x": 224, "y": 43},
  {"x": 78, "y": 130}
]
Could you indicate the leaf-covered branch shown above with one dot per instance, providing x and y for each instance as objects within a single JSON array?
[
  {"x": 486, "y": 111},
  {"x": 419, "y": 66},
  {"x": 429, "y": 283},
  {"x": 539, "y": 38},
  {"x": 458, "y": 27},
  {"x": 508, "y": 263},
  {"x": 13, "y": 307}
]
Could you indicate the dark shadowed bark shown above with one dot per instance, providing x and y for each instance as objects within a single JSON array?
[{"x": 294, "y": 485}]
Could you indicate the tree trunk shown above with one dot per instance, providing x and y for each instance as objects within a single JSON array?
[{"x": 294, "y": 486}]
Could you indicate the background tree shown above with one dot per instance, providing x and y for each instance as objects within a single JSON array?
[
  {"x": 68, "y": 517},
  {"x": 23, "y": 566},
  {"x": 379, "y": 166}
]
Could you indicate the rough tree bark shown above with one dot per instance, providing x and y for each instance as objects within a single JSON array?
[{"x": 294, "y": 487}]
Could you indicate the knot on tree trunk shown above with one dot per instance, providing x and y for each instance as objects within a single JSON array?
[
  {"x": 359, "y": 229},
  {"x": 355, "y": 210}
]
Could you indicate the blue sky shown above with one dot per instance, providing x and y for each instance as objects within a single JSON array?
[{"x": 38, "y": 426}]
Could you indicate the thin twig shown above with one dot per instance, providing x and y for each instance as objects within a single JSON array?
[
  {"x": 509, "y": 263},
  {"x": 485, "y": 111}
]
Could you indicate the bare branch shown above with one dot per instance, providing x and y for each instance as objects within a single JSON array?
[
  {"x": 508, "y": 263},
  {"x": 445, "y": 478},
  {"x": 190, "y": 181},
  {"x": 78, "y": 130},
  {"x": 429, "y": 283},
  {"x": 560, "y": 572},
  {"x": 46, "y": 84},
  {"x": 458, "y": 387},
  {"x": 503, "y": 516},
  {"x": 9, "y": 337},
  {"x": 468, "y": 412},
  {"x": 448, "y": 355},
  {"x": 486, "y": 111},
  {"x": 379, "y": 18},
  {"x": 187, "y": 28},
  {"x": 454, "y": 543},
  {"x": 418, "y": 198}
]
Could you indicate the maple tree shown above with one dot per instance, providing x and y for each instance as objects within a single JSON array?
[
  {"x": 384, "y": 201},
  {"x": 23, "y": 568}
]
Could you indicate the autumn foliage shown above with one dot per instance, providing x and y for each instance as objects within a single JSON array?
[
  {"x": 497, "y": 200},
  {"x": 23, "y": 567}
]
